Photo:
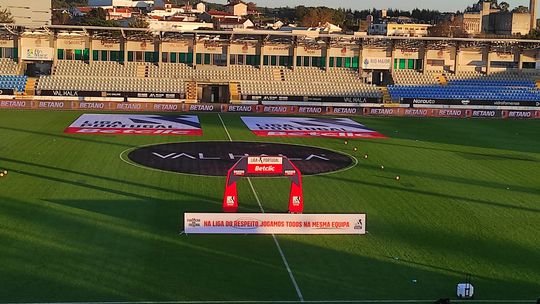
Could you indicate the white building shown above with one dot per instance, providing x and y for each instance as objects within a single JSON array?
[
  {"x": 33, "y": 13},
  {"x": 146, "y": 4}
]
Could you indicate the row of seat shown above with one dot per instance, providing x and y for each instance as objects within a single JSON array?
[
  {"x": 114, "y": 84},
  {"x": 12, "y": 82},
  {"x": 8, "y": 67}
]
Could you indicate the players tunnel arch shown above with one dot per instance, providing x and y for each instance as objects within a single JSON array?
[{"x": 264, "y": 166}]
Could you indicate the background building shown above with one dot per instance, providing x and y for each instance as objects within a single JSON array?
[
  {"x": 487, "y": 17},
  {"x": 30, "y": 13}
]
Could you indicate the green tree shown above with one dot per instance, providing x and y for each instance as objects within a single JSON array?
[
  {"x": 60, "y": 18},
  {"x": 5, "y": 16},
  {"x": 138, "y": 22}
]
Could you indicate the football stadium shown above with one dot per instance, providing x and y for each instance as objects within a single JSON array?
[{"x": 259, "y": 166}]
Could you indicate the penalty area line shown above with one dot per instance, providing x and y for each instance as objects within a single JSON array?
[{"x": 283, "y": 258}]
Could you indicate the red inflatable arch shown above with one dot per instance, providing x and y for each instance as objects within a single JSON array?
[{"x": 264, "y": 166}]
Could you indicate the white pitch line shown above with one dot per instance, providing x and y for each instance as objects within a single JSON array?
[
  {"x": 289, "y": 271},
  {"x": 225, "y": 127}
]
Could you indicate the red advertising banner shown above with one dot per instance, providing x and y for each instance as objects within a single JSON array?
[
  {"x": 128, "y": 106},
  {"x": 484, "y": 113},
  {"x": 345, "y": 111},
  {"x": 201, "y": 107},
  {"x": 166, "y": 107},
  {"x": 411, "y": 112},
  {"x": 518, "y": 114},
  {"x": 89, "y": 105},
  {"x": 270, "y": 109},
  {"x": 448, "y": 113},
  {"x": 238, "y": 108},
  {"x": 383, "y": 111},
  {"x": 276, "y": 109},
  {"x": 311, "y": 110},
  {"x": 59, "y": 105},
  {"x": 15, "y": 104}
]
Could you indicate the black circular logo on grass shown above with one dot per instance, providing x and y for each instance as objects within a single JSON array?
[{"x": 216, "y": 158}]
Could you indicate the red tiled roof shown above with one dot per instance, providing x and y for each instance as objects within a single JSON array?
[
  {"x": 219, "y": 13},
  {"x": 120, "y": 10},
  {"x": 85, "y": 9}
]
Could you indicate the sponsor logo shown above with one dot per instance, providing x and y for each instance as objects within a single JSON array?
[
  {"x": 310, "y": 110},
  {"x": 290, "y": 172},
  {"x": 166, "y": 107},
  {"x": 450, "y": 113},
  {"x": 265, "y": 160},
  {"x": 194, "y": 222},
  {"x": 91, "y": 105},
  {"x": 465, "y": 102},
  {"x": 239, "y": 172},
  {"x": 296, "y": 201},
  {"x": 66, "y": 93},
  {"x": 381, "y": 111},
  {"x": 424, "y": 101},
  {"x": 416, "y": 112},
  {"x": 12, "y": 104},
  {"x": 216, "y": 158},
  {"x": 201, "y": 108},
  {"x": 274, "y": 109},
  {"x": 232, "y": 108},
  {"x": 129, "y": 106},
  {"x": 479, "y": 113},
  {"x": 520, "y": 114},
  {"x": 268, "y": 169},
  {"x": 51, "y": 104},
  {"x": 347, "y": 111},
  {"x": 230, "y": 200},
  {"x": 359, "y": 225},
  {"x": 156, "y": 95}
]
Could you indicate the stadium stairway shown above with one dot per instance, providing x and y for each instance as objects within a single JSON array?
[
  {"x": 30, "y": 88},
  {"x": 234, "y": 91},
  {"x": 442, "y": 79},
  {"x": 191, "y": 91},
  {"x": 538, "y": 83},
  {"x": 386, "y": 95},
  {"x": 279, "y": 74},
  {"x": 142, "y": 71}
]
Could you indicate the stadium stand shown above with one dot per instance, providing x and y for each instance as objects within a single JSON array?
[
  {"x": 9, "y": 78},
  {"x": 508, "y": 86},
  {"x": 11, "y": 82},
  {"x": 171, "y": 78},
  {"x": 8, "y": 67}
]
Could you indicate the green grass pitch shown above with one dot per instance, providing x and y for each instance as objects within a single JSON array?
[{"x": 79, "y": 224}]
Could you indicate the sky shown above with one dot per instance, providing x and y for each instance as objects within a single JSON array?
[{"x": 441, "y": 5}]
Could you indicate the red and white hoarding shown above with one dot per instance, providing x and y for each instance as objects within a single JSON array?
[
  {"x": 134, "y": 124},
  {"x": 273, "y": 223},
  {"x": 308, "y": 127}
]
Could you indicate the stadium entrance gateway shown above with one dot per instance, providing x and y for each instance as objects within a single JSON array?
[
  {"x": 213, "y": 93},
  {"x": 261, "y": 166}
]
